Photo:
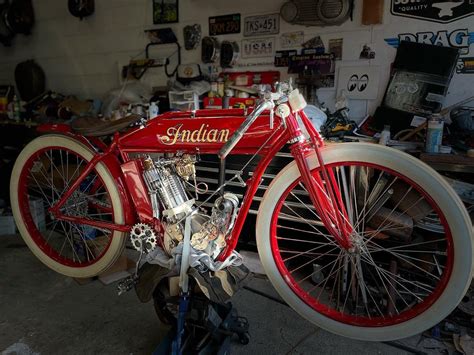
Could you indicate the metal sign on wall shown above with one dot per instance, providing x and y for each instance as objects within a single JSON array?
[
  {"x": 361, "y": 83},
  {"x": 223, "y": 25},
  {"x": 258, "y": 47},
  {"x": 291, "y": 39},
  {"x": 465, "y": 65},
  {"x": 433, "y": 10},
  {"x": 282, "y": 58},
  {"x": 459, "y": 38},
  {"x": 323, "y": 63},
  {"x": 262, "y": 25}
]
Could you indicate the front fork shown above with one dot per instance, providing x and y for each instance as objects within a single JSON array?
[{"x": 322, "y": 185}]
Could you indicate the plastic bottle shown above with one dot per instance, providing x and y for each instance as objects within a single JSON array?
[
  {"x": 434, "y": 134},
  {"x": 385, "y": 135},
  {"x": 153, "y": 110},
  {"x": 214, "y": 89}
]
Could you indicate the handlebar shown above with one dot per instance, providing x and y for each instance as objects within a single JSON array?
[{"x": 239, "y": 133}]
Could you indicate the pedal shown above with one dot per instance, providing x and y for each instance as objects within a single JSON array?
[{"x": 127, "y": 284}]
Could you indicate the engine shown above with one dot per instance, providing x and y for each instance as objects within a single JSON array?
[
  {"x": 166, "y": 181},
  {"x": 164, "y": 184}
]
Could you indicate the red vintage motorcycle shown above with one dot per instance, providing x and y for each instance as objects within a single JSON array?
[{"x": 360, "y": 239}]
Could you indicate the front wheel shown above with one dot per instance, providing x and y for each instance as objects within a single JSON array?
[{"x": 411, "y": 256}]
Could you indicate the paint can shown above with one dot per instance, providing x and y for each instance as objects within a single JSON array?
[
  {"x": 225, "y": 102},
  {"x": 434, "y": 134}
]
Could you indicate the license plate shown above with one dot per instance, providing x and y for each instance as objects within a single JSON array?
[{"x": 262, "y": 25}]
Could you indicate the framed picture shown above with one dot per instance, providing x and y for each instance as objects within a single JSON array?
[{"x": 165, "y": 11}]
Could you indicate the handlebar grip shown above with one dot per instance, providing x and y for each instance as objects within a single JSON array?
[{"x": 239, "y": 133}]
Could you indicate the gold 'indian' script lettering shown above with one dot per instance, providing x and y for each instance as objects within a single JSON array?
[{"x": 177, "y": 134}]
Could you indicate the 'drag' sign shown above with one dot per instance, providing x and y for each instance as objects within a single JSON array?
[{"x": 460, "y": 39}]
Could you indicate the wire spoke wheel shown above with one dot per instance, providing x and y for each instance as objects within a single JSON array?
[
  {"x": 392, "y": 271},
  {"x": 395, "y": 271},
  {"x": 47, "y": 175},
  {"x": 41, "y": 177}
]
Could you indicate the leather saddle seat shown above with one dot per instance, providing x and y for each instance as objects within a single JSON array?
[{"x": 95, "y": 127}]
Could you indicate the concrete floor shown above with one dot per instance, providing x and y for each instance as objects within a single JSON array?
[{"x": 42, "y": 312}]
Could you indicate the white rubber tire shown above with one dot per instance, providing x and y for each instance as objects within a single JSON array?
[
  {"x": 118, "y": 238},
  {"x": 452, "y": 207}
]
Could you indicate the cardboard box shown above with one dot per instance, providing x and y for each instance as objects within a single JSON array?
[
  {"x": 116, "y": 272},
  {"x": 217, "y": 102},
  {"x": 7, "y": 225},
  {"x": 42, "y": 172},
  {"x": 38, "y": 213},
  {"x": 97, "y": 245}
]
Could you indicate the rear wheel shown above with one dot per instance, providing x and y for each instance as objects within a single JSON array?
[
  {"x": 42, "y": 173},
  {"x": 399, "y": 278}
]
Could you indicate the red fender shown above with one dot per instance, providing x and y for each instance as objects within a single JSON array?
[
  {"x": 54, "y": 127},
  {"x": 62, "y": 128}
]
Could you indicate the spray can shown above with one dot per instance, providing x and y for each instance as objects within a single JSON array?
[
  {"x": 384, "y": 135},
  {"x": 434, "y": 134},
  {"x": 220, "y": 87}
]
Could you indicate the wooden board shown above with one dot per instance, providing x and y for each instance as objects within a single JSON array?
[
  {"x": 447, "y": 159},
  {"x": 449, "y": 162},
  {"x": 372, "y": 12}
]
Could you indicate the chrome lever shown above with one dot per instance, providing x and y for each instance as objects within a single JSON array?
[
  {"x": 272, "y": 118},
  {"x": 239, "y": 132}
]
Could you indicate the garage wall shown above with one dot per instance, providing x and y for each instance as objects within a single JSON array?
[{"x": 85, "y": 57}]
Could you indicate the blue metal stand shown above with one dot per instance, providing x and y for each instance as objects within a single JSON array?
[
  {"x": 183, "y": 309},
  {"x": 208, "y": 333}
]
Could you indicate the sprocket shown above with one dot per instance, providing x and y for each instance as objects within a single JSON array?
[{"x": 143, "y": 238}]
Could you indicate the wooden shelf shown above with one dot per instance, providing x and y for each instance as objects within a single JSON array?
[
  {"x": 19, "y": 123},
  {"x": 449, "y": 162}
]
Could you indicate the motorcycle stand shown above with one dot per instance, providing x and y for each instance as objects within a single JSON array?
[
  {"x": 205, "y": 328},
  {"x": 202, "y": 326}
]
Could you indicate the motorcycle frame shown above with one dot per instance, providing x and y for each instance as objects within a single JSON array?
[{"x": 126, "y": 170}]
